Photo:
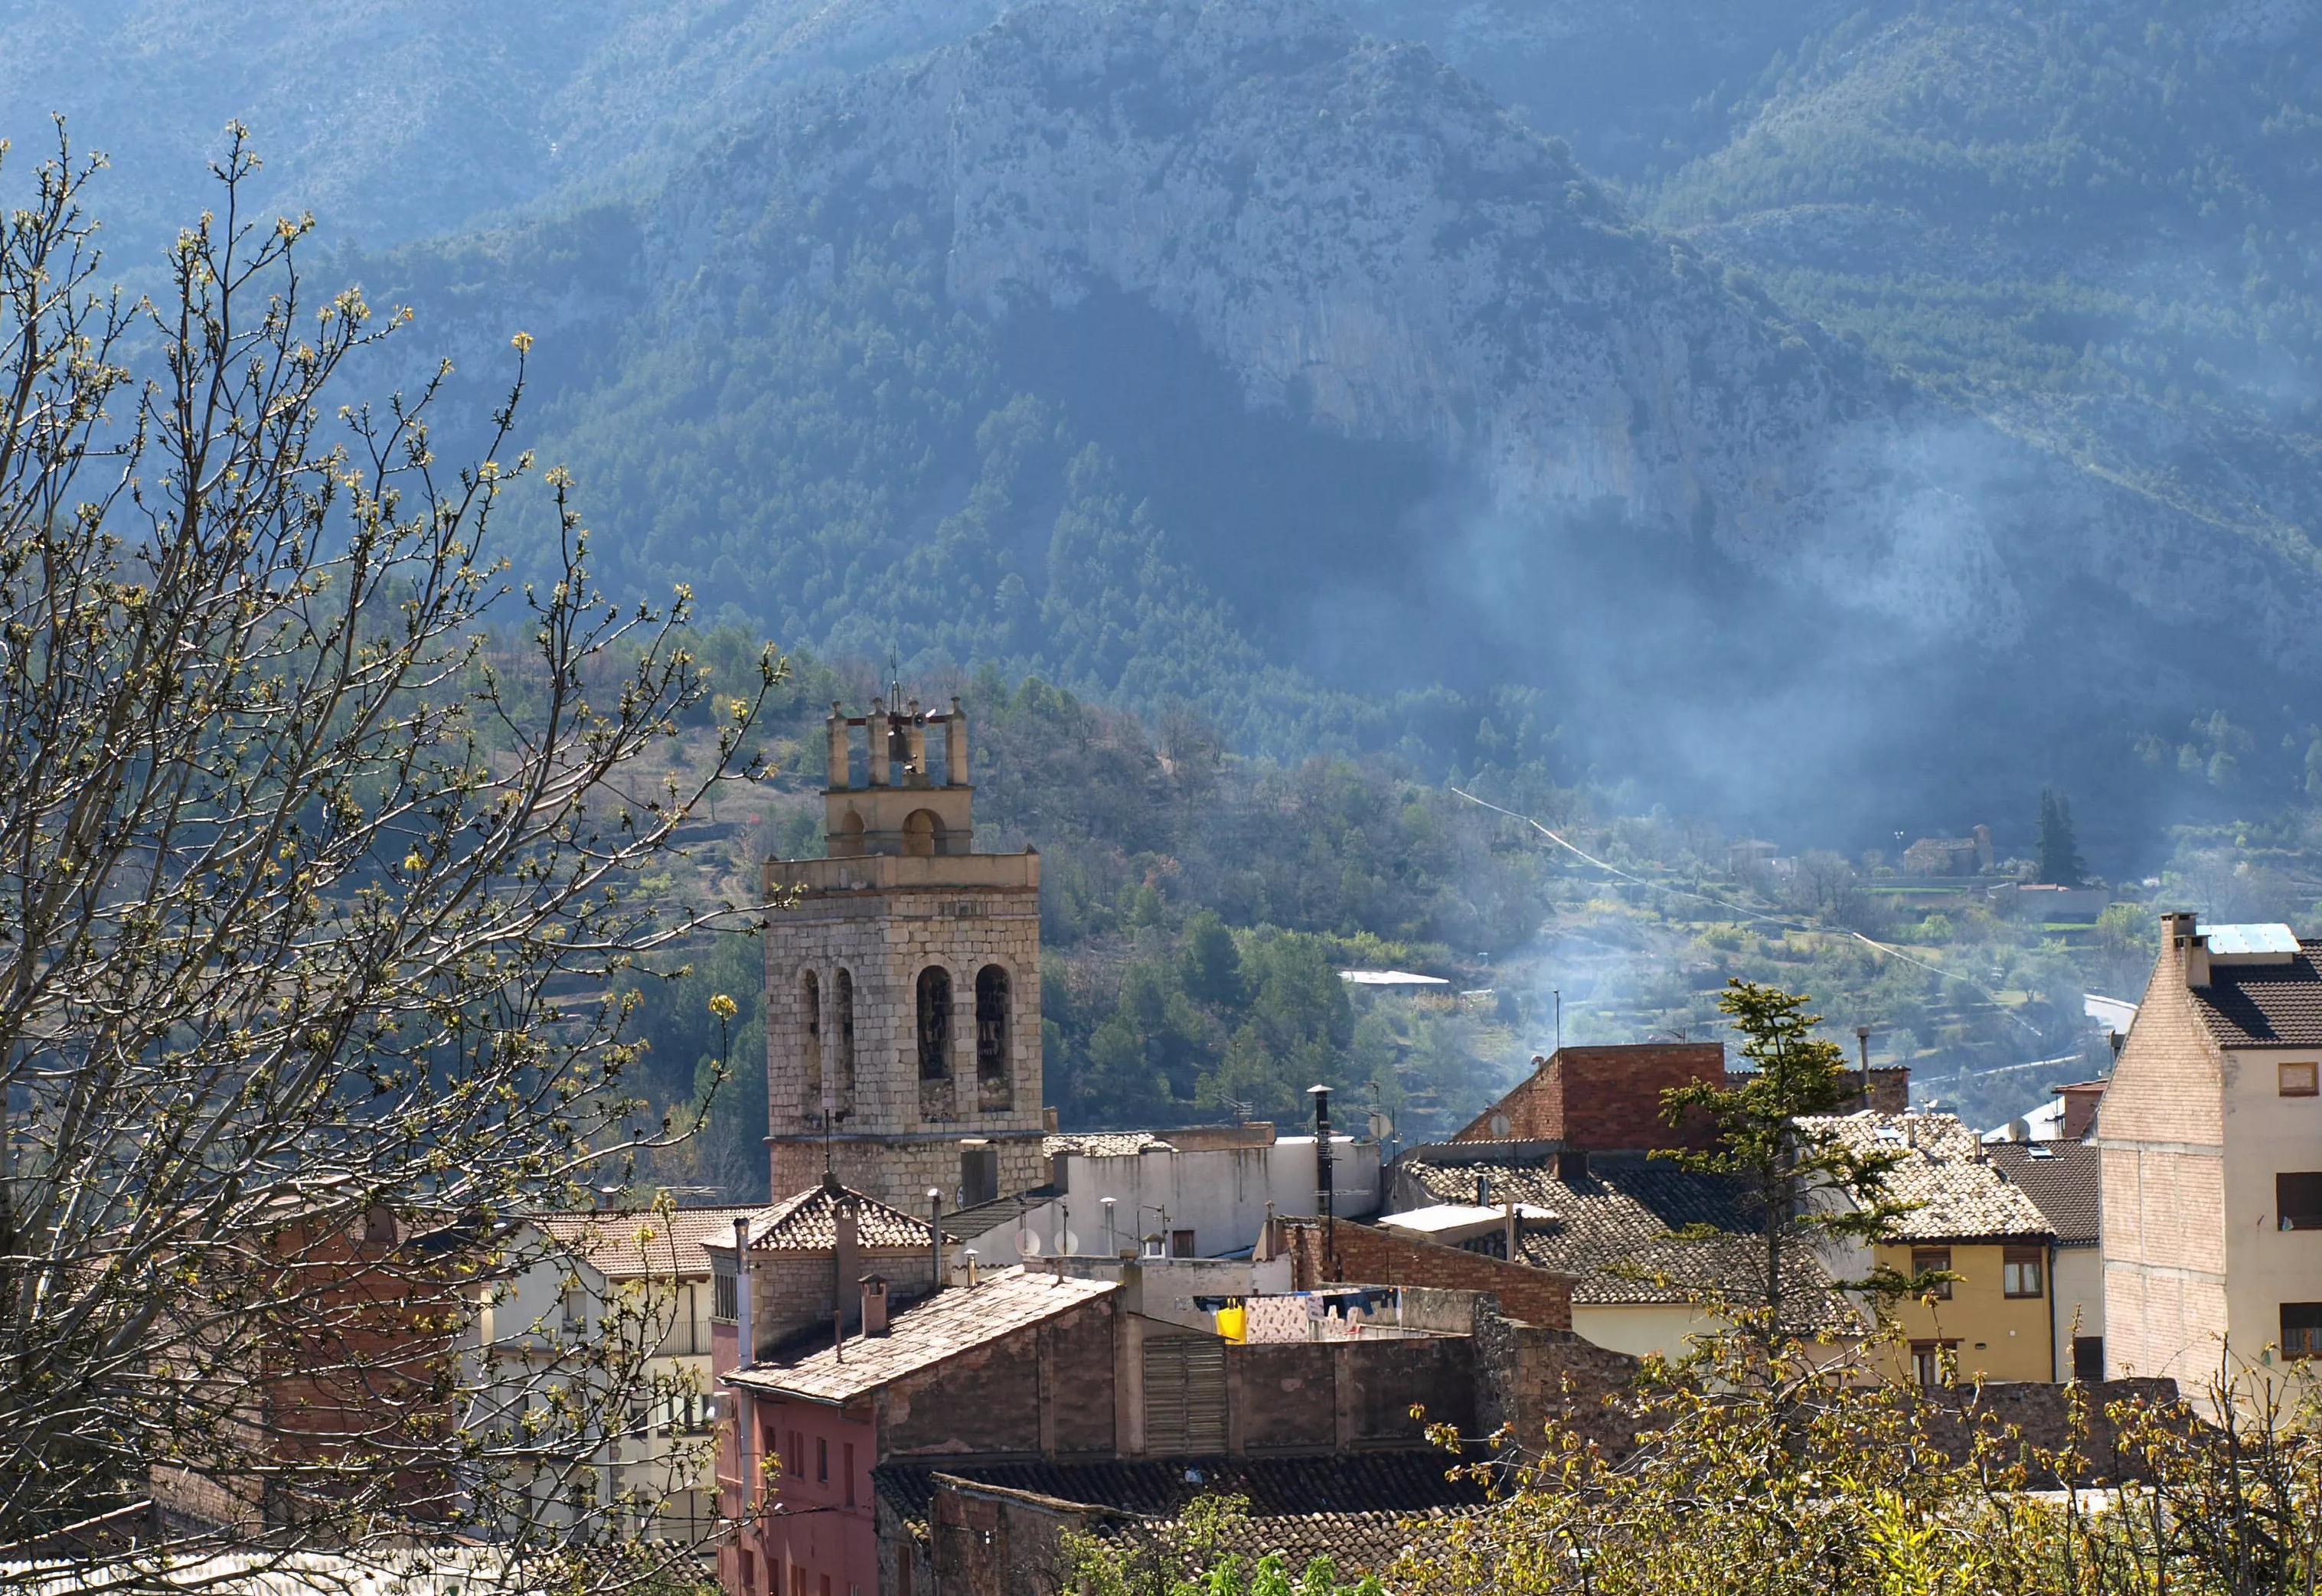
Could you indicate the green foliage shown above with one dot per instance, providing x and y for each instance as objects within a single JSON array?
[
  {"x": 1785, "y": 1167},
  {"x": 2058, "y": 862},
  {"x": 1808, "y": 1470},
  {"x": 1189, "y": 1557}
]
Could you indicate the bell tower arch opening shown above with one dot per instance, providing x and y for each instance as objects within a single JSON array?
[
  {"x": 994, "y": 1079},
  {"x": 923, "y": 834},
  {"x": 810, "y": 1051}
]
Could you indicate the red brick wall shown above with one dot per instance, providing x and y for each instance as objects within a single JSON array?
[
  {"x": 1364, "y": 1255},
  {"x": 1604, "y": 1099}
]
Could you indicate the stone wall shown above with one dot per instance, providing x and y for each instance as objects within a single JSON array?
[
  {"x": 1346, "y": 1396},
  {"x": 791, "y": 1293},
  {"x": 1364, "y": 1255},
  {"x": 866, "y": 948},
  {"x": 1047, "y": 1392}
]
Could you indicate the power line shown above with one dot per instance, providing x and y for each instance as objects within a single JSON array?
[{"x": 1764, "y": 920}]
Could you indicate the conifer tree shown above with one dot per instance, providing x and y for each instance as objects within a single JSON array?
[{"x": 2059, "y": 860}]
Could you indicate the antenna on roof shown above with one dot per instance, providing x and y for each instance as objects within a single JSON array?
[{"x": 894, "y": 680}]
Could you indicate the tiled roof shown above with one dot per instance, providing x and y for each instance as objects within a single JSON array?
[
  {"x": 926, "y": 1334},
  {"x": 2265, "y": 1005},
  {"x": 809, "y": 1223},
  {"x": 1358, "y": 1508},
  {"x": 1613, "y": 1233},
  {"x": 2063, "y": 1177},
  {"x": 1098, "y": 1144},
  {"x": 630, "y": 1246},
  {"x": 1945, "y": 1170}
]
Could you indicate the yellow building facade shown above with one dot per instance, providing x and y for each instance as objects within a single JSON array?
[
  {"x": 1993, "y": 1320},
  {"x": 1964, "y": 1218}
]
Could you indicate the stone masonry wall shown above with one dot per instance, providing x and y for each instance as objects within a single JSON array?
[{"x": 883, "y": 940}]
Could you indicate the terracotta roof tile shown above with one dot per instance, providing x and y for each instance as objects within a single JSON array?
[
  {"x": 1098, "y": 1144},
  {"x": 2265, "y": 1005},
  {"x": 1946, "y": 1170},
  {"x": 2063, "y": 1177},
  {"x": 1360, "y": 1509},
  {"x": 630, "y": 1246},
  {"x": 1613, "y": 1233},
  {"x": 808, "y": 1222},
  {"x": 926, "y": 1334}
]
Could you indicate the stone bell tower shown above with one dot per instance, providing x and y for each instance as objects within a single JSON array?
[{"x": 903, "y": 980}]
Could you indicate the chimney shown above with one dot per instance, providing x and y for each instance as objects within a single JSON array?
[
  {"x": 1322, "y": 1183},
  {"x": 875, "y": 1305},
  {"x": 1509, "y": 1227},
  {"x": 845, "y": 1259},
  {"x": 934, "y": 1236}
]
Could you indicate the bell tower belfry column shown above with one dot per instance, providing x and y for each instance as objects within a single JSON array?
[{"x": 903, "y": 980}]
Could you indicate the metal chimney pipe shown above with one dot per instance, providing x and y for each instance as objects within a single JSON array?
[
  {"x": 934, "y": 1233},
  {"x": 1322, "y": 1183},
  {"x": 1863, "y": 1040}
]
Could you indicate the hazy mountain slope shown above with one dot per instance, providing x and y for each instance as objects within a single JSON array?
[
  {"x": 1162, "y": 345},
  {"x": 2096, "y": 225},
  {"x": 1634, "y": 85},
  {"x": 397, "y": 119}
]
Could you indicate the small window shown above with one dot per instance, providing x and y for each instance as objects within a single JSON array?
[
  {"x": 1934, "y": 1261},
  {"x": 2088, "y": 1358},
  {"x": 1180, "y": 1245},
  {"x": 2297, "y": 1200},
  {"x": 2301, "y": 1329},
  {"x": 726, "y": 1302},
  {"x": 2296, "y": 1080},
  {"x": 821, "y": 1461},
  {"x": 1927, "y": 1363},
  {"x": 2021, "y": 1271}
]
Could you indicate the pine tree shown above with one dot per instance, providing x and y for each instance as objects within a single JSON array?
[{"x": 2060, "y": 862}]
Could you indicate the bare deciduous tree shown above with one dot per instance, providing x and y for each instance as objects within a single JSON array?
[{"x": 314, "y": 922}]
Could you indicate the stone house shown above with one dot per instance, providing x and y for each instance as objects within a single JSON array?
[{"x": 1082, "y": 1362}]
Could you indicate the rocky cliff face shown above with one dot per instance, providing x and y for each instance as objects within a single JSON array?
[{"x": 1367, "y": 239}]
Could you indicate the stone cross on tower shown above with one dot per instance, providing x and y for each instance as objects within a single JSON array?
[{"x": 903, "y": 982}]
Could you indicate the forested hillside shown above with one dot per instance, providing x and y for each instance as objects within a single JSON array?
[{"x": 1828, "y": 422}]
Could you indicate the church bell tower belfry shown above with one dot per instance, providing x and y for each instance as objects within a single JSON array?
[{"x": 903, "y": 979}]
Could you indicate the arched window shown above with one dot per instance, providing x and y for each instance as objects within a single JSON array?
[
  {"x": 843, "y": 1021},
  {"x": 846, "y": 841},
  {"x": 992, "y": 1023},
  {"x": 923, "y": 834},
  {"x": 810, "y": 1003},
  {"x": 935, "y": 1023}
]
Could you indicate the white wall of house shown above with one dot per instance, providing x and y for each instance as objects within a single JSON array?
[
  {"x": 1221, "y": 1195},
  {"x": 1638, "y": 1328},
  {"x": 2076, "y": 1293},
  {"x": 2266, "y": 1134}
]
